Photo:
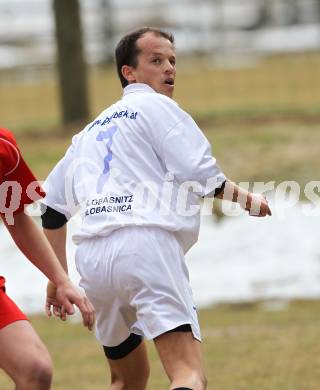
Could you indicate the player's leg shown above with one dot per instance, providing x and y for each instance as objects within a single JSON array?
[
  {"x": 104, "y": 277},
  {"x": 24, "y": 357},
  {"x": 129, "y": 366},
  {"x": 162, "y": 296},
  {"x": 181, "y": 356}
]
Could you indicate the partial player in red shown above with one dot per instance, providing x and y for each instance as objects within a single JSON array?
[{"x": 23, "y": 355}]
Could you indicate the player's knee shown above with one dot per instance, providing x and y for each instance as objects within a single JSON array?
[
  {"x": 200, "y": 381},
  {"x": 44, "y": 373},
  {"x": 131, "y": 381},
  {"x": 145, "y": 374},
  {"x": 196, "y": 380},
  {"x": 37, "y": 374},
  {"x": 138, "y": 380},
  {"x": 204, "y": 382},
  {"x": 44, "y": 377}
]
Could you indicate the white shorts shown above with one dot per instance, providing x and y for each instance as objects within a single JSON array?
[{"x": 138, "y": 282}]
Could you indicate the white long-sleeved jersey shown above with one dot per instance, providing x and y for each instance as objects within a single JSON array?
[{"x": 144, "y": 162}]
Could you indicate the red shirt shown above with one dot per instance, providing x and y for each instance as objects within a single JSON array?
[{"x": 25, "y": 189}]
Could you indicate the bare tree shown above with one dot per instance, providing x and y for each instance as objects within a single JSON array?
[
  {"x": 108, "y": 29},
  {"x": 263, "y": 15},
  {"x": 292, "y": 12},
  {"x": 71, "y": 63}
]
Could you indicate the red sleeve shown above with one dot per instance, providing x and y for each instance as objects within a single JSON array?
[
  {"x": 9, "y": 156},
  {"x": 23, "y": 188}
]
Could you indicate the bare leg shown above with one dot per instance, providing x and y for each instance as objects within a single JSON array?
[
  {"x": 130, "y": 372},
  {"x": 182, "y": 360},
  {"x": 24, "y": 357}
]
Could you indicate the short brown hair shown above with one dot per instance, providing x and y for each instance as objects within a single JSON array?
[{"x": 126, "y": 52}]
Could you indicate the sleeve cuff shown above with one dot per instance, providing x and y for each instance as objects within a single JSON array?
[
  {"x": 52, "y": 219},
  {"x": 218, "y": 190},
  {"x": 215, "y": 186}
]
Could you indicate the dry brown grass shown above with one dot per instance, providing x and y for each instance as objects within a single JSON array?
[
  {"x": 246, "y": 348},
  {"x": 281, "y": 84},
  {"x": 277, "y": 84},
  {"x": 270, "y": 151},
  {"x": 263, "y": 120}
]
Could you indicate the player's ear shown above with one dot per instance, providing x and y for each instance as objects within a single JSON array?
[{"x": 128, "y": 73}]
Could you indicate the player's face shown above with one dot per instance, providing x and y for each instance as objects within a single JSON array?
[{"x": 156, "y": 64}]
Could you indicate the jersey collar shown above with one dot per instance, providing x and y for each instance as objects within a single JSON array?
[{"x": 137, "y": 87}]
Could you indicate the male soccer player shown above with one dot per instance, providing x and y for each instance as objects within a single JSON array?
[
  {"x": 137, "y": 172},
  {"x": 23, "y": 356}
]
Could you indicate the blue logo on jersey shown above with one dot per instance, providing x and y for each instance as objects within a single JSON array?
[
  {"x": 106, "y": 137},
  {"x": 115, "y": 115}
]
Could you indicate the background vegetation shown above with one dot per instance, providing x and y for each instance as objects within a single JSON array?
[{"x": 262, "y": 120}]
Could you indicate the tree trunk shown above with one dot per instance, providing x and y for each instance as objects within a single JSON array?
[
  {"x": 108, "y": 30},
  {"x": 293, "y": 12},
  {"x": 70, "y": 61}
]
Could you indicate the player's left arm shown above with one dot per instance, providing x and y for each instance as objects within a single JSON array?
[
  {"x": 186, "y": 153},
  {"x": 256, "y": 204}
]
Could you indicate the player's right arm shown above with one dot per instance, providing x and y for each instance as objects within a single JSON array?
[
  {"x": 54, "y": 225},
  {"x": 55, "y": 230},
  {"x": 57, "y": 207},
  {"x": 36, "y": 248},
  {"x": 57, "y": 239}
]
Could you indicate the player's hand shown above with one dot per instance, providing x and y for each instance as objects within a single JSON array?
[
  {"x": 53, "y": 306},
  {"x": 257, "y": 205},
  {"x": 61, "y": 299}
]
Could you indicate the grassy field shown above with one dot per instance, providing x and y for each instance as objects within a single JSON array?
[
  {"x": 246, "y": 347},
  {"x": 285, "y": 85}
]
